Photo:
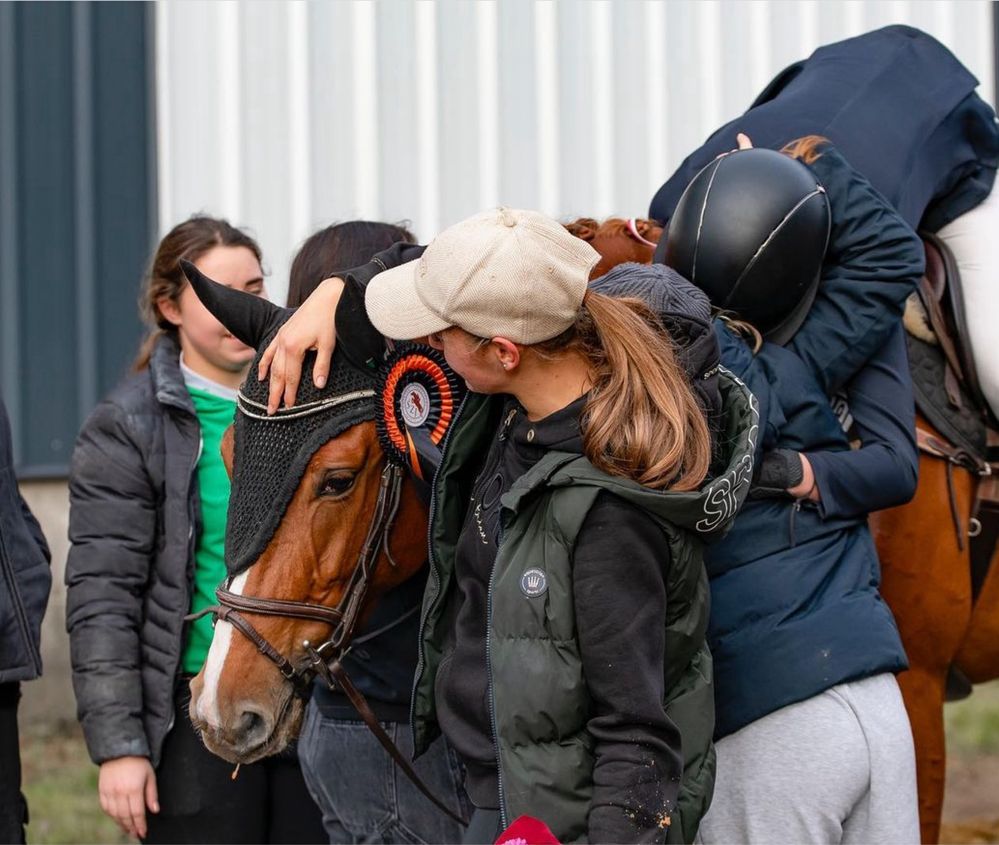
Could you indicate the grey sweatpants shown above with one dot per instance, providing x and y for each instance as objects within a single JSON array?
[{"x": 836, "y": 768}]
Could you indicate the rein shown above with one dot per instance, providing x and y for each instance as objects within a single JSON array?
[{"x": 325, "y": 660}]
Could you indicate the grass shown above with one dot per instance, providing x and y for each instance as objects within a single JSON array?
[
  {"x": 973, "y": 724},
  {"x": 60, "y": 784}
]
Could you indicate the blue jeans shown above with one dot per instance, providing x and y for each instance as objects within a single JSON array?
[{"x": 362, "y": 794}]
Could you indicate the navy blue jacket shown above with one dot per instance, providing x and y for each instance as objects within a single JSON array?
[
  {"x": 25, "y": 577},
  {"x": 794, "y": 586},
  {"x": 883, "y": 474},
  {"x": 873, "y": 262},
  {"x": 795, "y": 607},
  {"x": 896, "y": 103}
]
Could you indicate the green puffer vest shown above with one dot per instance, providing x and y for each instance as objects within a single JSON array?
[{"x": 539, "y": 700}]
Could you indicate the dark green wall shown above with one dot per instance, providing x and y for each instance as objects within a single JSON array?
[{"x": 77, "y": 212}]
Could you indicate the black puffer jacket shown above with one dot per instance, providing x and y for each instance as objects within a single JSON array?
[
  {"x": 25, "y": 577},
  {"x": 132, "y": 525}
]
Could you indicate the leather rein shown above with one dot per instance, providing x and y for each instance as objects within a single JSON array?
[{"x": 325, "y": 659}]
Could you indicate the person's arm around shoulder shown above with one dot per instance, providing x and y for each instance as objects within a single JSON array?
[
  {"x": 313, "y": 326},
  {"x": 873, "y": 262},
  {"x": 619, "y": 593},
  {"x": 112, "y": 534},
  {"x": 884, "y": 471}
]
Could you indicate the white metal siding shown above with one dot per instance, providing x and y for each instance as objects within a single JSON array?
[{"x": 287, "y": 116}]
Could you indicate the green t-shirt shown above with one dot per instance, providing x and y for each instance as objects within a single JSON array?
[{"x": 215, "y": 414}]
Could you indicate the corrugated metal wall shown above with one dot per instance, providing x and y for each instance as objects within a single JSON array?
[{"x": 285, "y": 116}]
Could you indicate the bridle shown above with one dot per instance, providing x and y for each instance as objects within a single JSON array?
[
  {"x": 326, "y": 659},
  {"x": 233, "y": 608}
]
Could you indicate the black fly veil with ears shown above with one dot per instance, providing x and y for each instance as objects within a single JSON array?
[
  {"x": 411, "y": 395},
  {"x": 271, "y": 453}
]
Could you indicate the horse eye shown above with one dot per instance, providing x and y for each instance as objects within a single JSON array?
[{"x": 336, "y": 484}]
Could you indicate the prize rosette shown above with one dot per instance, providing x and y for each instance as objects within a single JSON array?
[{"x": 419, "y": 397}]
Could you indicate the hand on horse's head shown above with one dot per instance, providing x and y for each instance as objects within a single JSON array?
[{"x": 310, "y": 327}]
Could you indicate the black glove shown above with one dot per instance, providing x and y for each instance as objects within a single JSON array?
[{"x": 779, "y": 469}]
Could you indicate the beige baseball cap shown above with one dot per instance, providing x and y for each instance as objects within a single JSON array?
[{"x": 503, "y": 273}]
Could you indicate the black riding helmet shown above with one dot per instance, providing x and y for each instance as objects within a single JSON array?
[{"x": 751, "y": 231}]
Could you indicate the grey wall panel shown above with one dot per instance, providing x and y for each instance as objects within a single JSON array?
[
  {"x": 517, "y": 105},
  {"x": 122, "y": 218},
  {"x": 46, "y": 238},
  {"x": 76, "y": 222},
  {"x": 331, "y": 103},
  {"x": 398, "y": 184},
  {"x": 459, "y": 156},
  {"x": 576, "y": 107}
]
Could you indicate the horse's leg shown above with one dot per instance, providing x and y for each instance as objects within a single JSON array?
[
  {"x": 926, "y": 583},
  {"x": 923, "y": 694},
  {"x": 978, "y": 655}
]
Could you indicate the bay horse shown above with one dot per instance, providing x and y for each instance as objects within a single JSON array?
[
  {"x": 244, "y": 700},
  {"x": 354, "y": 526},
  {"x": 925, "y": 580}
]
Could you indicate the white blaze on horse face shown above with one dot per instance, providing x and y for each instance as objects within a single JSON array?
[{"x": 208, "y": 704}]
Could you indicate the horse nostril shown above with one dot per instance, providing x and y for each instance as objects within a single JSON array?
[{"x": 253, "y": 728}]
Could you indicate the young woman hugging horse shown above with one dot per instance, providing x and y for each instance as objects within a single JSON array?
[
  {"x": 349, "y": 775},
  {"x": 814, "y": 743},
  {"x": 561, "y": 642},
  {"x": 148, "y": 500}
]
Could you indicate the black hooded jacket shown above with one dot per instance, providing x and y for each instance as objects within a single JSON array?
[{"x": 25, "y": 577}]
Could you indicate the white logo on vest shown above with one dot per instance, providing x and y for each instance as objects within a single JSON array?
[{"x": 533, "y": 583}]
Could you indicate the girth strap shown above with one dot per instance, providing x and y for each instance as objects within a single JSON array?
[
  {"x": 984, "y": 529},
  {"x": 955, "y": 457}
]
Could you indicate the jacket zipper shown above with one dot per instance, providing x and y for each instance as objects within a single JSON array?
[
  {"x": 489, "y": 673},
  {"x": 191, "y": 517},
  {"x": 22, "y": 616},
  {"x": 434, "y": 576},
  {"x": 504, "y": 432}
]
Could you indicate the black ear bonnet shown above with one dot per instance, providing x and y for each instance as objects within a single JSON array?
[
  {"x": 272, "y": 452},
  {"x": 751, "y": 231}
]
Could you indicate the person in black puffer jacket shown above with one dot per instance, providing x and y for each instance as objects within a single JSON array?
[
  {"x": 148, "y": 499},
  {"x": 24, "y": 593}
]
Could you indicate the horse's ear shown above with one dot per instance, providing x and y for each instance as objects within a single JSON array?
[
  {"x": 648, "y": 229},
  {"x": 584, "y": 228},
  {"x": 250, "y": 318}
]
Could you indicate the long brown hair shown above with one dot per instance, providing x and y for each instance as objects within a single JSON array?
[
  {"x": 641, "y": 419},
  {"x": 165, "y": 280}
]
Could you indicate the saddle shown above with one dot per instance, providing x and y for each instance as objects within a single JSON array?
[
  {"x": 949, "y": 396},
  {"x": 943, "y": 303}
]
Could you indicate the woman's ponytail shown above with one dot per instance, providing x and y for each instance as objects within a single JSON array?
[{"x": 642, "y": 420}]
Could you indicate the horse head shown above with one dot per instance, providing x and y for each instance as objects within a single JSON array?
[
  {"x": 315, "y": 509},
  {"x": 617, "y": 240}
]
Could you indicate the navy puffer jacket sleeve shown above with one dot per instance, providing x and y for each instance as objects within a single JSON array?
[{"x": 873, "y": 262}]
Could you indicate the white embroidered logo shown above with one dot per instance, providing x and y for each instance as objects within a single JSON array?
[
  {"x": 727, "y": 492},
  {"x": 533, "y": 582}
]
